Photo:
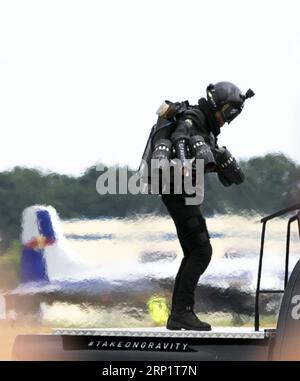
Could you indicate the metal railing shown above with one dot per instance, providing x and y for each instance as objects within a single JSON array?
[{"x": 264, "y": 221}]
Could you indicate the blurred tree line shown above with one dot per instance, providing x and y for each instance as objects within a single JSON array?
[{"x": 273, "y": 182}]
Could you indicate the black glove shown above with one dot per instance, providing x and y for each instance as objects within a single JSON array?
[
  {"x": 181, "y": 149},
  {"x": 181, "y": 153},
  {"x": 229, "y": 172},
  {"x": 201, "y": 150}
]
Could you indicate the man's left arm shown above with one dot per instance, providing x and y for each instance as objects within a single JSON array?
[{"x": 228, "y": 169}]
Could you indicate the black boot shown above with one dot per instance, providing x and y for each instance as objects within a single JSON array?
[{"x": 186, "y": 319}]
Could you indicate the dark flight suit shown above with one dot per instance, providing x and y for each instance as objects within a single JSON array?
[
  {"x": 184, "y": 132},
  {"x": 189, "y": 222}
]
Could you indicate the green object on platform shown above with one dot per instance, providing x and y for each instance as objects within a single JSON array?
[{"x": 158, "y": 309}]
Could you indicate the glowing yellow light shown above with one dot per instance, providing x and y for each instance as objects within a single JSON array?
[{"x": 158, "y": 309}]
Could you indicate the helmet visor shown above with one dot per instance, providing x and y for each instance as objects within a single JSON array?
[{"x": 230, "y": 111}]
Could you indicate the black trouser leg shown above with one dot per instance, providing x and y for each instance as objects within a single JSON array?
[
  {"x": 194, "y": 239},
  {"x": 177, "y": 281},
  {"x": 188, "y": 276}
]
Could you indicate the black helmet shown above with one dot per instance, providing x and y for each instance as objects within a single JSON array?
[{"x": 227, "y": 98}]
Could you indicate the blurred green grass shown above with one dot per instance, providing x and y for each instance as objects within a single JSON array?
[{"x": 10, "y": 266}]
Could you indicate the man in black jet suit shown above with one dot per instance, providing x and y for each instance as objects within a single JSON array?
[{"x": 185, "y": 132}]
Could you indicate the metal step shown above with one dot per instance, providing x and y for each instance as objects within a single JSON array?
[{"x": 217, "y": 332}]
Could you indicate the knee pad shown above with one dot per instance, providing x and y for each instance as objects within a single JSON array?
[
  {"x": 201, "y": 256},
  {"x": 193, "y": 234},
  {"x": 204, "y": 250}
]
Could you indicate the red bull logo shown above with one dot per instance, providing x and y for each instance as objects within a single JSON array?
[{"x": 39, "y": 243}]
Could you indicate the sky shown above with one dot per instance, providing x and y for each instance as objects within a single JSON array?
[{"x": 80, "y": 81}]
